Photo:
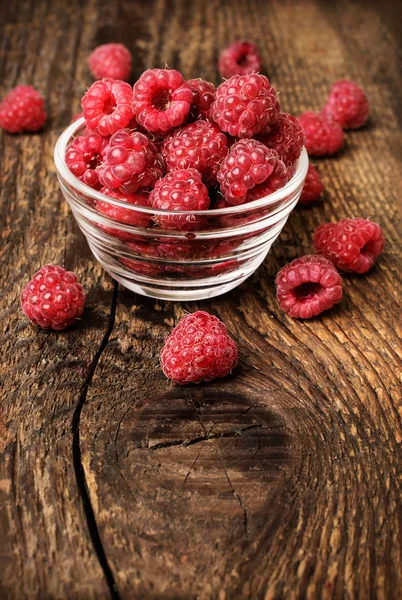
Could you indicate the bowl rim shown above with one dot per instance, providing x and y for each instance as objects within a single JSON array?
[{"x": 76, "y": 184}]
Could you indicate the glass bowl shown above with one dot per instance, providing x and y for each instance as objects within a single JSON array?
[{"x": 224, "y": 247}]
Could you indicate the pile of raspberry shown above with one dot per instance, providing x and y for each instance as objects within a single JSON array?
[{"x": 174, "y": 144}]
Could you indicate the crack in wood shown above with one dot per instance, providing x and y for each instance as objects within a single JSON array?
[
  {"x": 77, "y": 458},
  {"x": 201, "y": 438}
]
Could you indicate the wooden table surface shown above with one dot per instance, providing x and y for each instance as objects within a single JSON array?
[{"x": 282, "y": 481}]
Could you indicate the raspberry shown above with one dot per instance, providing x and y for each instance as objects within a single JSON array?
[
  {"x": 53, "y": 299},
  {"x": 203, "y": 96},
  {"x": 180, "y": 190},
  {"x": 198, "y": 349},
  {"x": 250, "y": 171},
  {"x": 240, "y": 58},
  {"x": 84, "y": 157},
  {"x": 245, "y": 105},
  {"x": 286, "y": 137},
  {"x": 123, "y": 215},
  {"x": 348, "y": 104},
  {"x": 312, "y": 187},
  {"x": 351, "y": 244},
  {"x": 307, "y": 286},
  {"x": 22, "y": 110},
  {"x": 161, "y": 100},
  {"x": 131, "y": 161},
  {"x": 107, "y": 106},
  {"x": 110, "y": 60},
  {"x": 199, "y": 146},
  {"x": 323, "y": 135}
]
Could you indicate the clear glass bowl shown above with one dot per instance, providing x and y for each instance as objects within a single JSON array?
[{"x": 227, "y": 246}]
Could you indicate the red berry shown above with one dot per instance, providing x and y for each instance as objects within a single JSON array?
[
  {"x": 245, "y": 105},
  {"x": 199, "y": 146},
  {"x": 286, "y": 137},
  {"x": 110, "y": 60},
  {"x": 348, "y": 104},
  {"x": 53, "y": 299},
  {"x": 203, "y": 96},
  {"x": 84, "y": 157},
  {"x": 180, "y": 190},
  {"x": 307, "y": 286},
  {"x": 198, "y": 349},
  {"x": 323, "y": 135},
  {"x": 123, "y": 215},
  {"x": 312, "y": 187},
  {"x": 131, "y": 161},
  {"x": 107, "y": 106},
  {"x": 250, "y": 171},
  {"x": 351, "y": 244},
  {"x": 22, "y": 110},
  {"x": 240, "y": 58},
  {"x": 161, "y": 100}
]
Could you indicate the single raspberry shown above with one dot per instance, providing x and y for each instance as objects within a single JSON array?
[
  {"x": 351, "y": 244},
  {"x": 348, "y": 104},
  {"x": 53, "y": 299},
  {"x": 323, "y": 135},
  {"x": 240, "y": 58},
  {"x": 84, "y": 157},
  {"x": 123, "y": 215},
  {"x": 180, "y": 190},
  {"x": 250, "y": 171},
  {"x": 203, "y": 96},
  {"x": 286, "y": 137},
  {"x": 198, "y": 349},
  {"x": 245, "y": 105},
  {"x": 312, "y": 187},
  {"x": 200, "y": 145},
  {"x": 307, "y": 286},
  {"x": 107, "y": 106},
  {"x": 161, "y": 100},
  {"x": 110, "y": 60},
  {"x": 22, "y": 110},
  {"x": 131, "y": 161}
]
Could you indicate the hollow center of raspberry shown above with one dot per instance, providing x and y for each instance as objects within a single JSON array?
[
  {"x": 242, "y": 60},
  {"x": 109, "y": 105},
  {"x": 368, "y": 248},
  {"x": 161, "y": 100},
  {"x": 307, "y": 290},
  {"x": 93, "y": 160}
]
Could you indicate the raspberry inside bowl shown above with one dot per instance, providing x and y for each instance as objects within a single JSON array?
[{"x": 224, "y": 247}]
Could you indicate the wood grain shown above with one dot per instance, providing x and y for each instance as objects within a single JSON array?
[{"x": 282, "y": 481}]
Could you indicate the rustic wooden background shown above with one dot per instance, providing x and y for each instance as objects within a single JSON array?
[{"x": 282, "y": 481}]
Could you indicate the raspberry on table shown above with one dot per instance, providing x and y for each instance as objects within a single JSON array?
[
  {"x": 22, "y": 110},
  {"x": 198, "y": 349},
  {"x": 84, "y": 157},
  {"x": 286, "y": 137},
  {"x": 161, "y": 100},
  {"x": 312, "y": 188},
  {"x": 53, "y": 299},
  {"x": 199, "y": 145},
  {"x": 250, "y": 171},
  {"x": 245, "y": 105},
  {"x": 180, "y": 190},
  {"x": 203, "y": 96},
  {"x": 353, "y": 245},
  {"x": 307, "y": 286},
  {"x": 107, "y": 106},
  {"x": 130, "y": 162},
  {"x": 240, "y": 58},
  {"x": 110, "y": 60},
  {"x": 123, "y": 215},
  {"x": 324, "y": 136},
  {"x": 348, "y": 104}
]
